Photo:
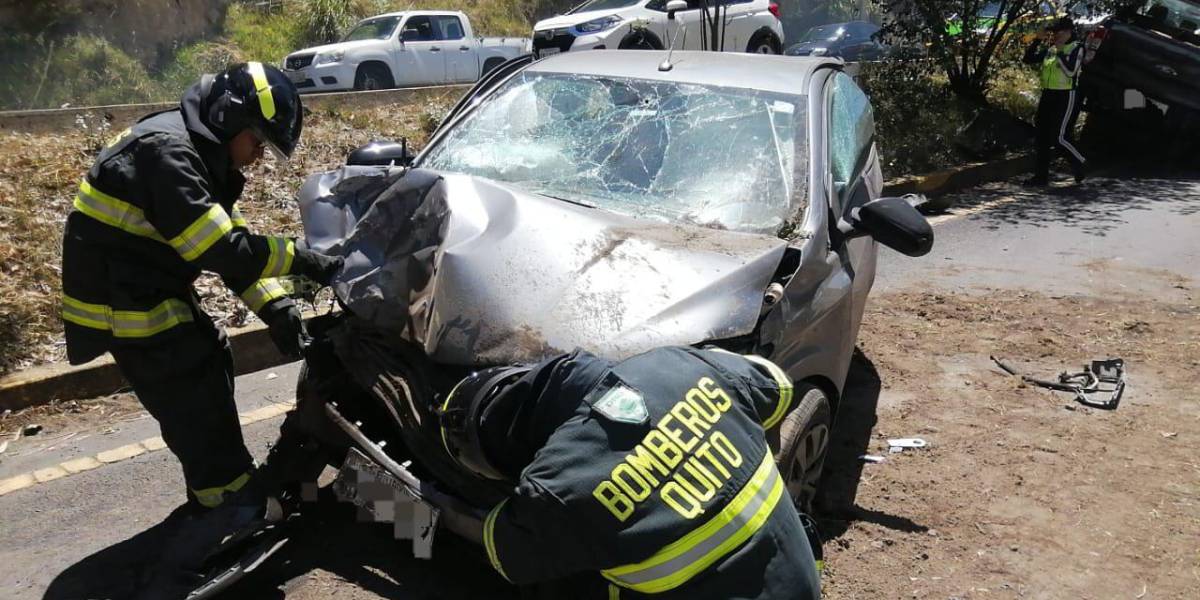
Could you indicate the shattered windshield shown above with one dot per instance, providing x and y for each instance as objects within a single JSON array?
[{"x": 675, "y": 152}]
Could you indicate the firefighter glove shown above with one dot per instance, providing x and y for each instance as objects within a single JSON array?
[
  {"x": 287, "y": 330},
  {"x": 318, "y": 267}
]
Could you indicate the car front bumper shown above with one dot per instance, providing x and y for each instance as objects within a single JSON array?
[{"x": 326, "y": 77}]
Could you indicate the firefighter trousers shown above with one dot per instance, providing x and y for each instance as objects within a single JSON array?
[
  {"x": 186, "y": 384},
  {"x": 1057, "y": 112}
]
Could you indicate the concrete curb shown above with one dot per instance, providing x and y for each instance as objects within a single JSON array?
[
  {"x": 56, "y": 120},
  {"x": 947, "y": 181},
  {"x": 252, "y": 351}
]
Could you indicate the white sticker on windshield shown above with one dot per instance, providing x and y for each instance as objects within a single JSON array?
[
  {"x": 784, "y": 107},
  {"x": 643, "y": 112}
]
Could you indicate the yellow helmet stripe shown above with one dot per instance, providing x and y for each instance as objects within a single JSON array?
[{"x": 266, "y": 101}]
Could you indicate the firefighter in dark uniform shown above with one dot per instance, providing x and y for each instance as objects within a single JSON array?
[
  {"x": 1059, "y": 58},
  {"x": 156, "y": 209},
  {"x": 654, "y": 472}
]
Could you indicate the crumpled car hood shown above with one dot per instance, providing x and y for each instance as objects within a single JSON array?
[{"x": 479, "y": 273}]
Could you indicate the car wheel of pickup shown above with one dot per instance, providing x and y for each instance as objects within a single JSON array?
[
  {"x": 373, "y": 77},
  {"x": 764, "y": 43},
  {"x": 804, "y": 444}
]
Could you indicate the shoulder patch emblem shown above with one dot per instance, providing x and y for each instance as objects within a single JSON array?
[{"x": 623, "y": 404}]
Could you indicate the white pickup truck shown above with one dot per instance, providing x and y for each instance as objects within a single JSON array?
[
  {"x": 750, "y": 26},
  {"x": 402, "y": 49}
]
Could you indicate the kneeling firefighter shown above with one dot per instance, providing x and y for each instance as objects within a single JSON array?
[
  {"x": 654, "y": 472},
  {"x": 156, "y": 209}
]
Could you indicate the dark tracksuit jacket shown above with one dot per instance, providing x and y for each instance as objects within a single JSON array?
[
  {"x": 1058, "y": 107},
  {"x": 156, "y": 208},
  {"x": 654, "y": 472}
]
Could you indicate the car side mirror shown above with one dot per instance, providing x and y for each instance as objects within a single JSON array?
[
  {"x": 675, "y": 6},
  {"x": 894, "y": 223},
  {"x": 382, "y": 153}
]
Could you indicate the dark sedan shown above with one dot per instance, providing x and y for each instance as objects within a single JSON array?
[{"x": 852, "y": 41}]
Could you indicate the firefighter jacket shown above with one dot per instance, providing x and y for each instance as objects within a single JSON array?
[
  {"x": 656, "y": 473},
  {"x": 1057, "y": 69},
  {"x": 156, "y": 208}
]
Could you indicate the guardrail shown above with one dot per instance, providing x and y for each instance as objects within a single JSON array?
[{"x": 58, "y": 120}]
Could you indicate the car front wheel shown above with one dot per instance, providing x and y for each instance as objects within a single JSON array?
[
  {"x": 373, "y": 77},
  {"x": 804, "y": 444}
]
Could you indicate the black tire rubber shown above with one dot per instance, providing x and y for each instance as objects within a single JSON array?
[
  {"x": 804, "y": 444},
  {"x": 490, "y": 65},
  {"x": 764, "y": 41},
  {"x": 640, "y": 41},
  {"x": 373, "y": 76}
]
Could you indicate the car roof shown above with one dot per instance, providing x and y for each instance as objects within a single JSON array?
[{"x": 780, "y": 74}]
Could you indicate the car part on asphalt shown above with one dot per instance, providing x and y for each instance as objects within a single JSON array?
[
  {"x": 1099, "y": 385},
  {"x": 232, "y": 566}
]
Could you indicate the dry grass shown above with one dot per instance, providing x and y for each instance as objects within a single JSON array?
[{"x": 40, "y": 174}]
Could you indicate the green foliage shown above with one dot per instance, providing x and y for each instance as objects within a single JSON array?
[
  {"x": 326, "y": 20},
  {"x": 266, "y": 37},
  {"x": 201, "y": 57},
  {"x": 79, "y": 70}
]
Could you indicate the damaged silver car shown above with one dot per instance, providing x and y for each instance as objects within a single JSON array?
[{"x": 607, "y": 201}]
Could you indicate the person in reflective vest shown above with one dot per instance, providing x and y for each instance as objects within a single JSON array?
[
  {"x": 654, "y": 472},
  {"x": 158, "y": 206},
  {"x": 1059, "y": 57}
]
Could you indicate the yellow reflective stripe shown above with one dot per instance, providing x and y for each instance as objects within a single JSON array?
[
  {"x": 279, "y": 263},
  {"x": 489, "y": 538},
  {"x": 263, "y": 291},
  {"x": 614, "y": 592},
  {"x": 785, "y": 390},
  {"x": 237, "y": 219},
  {"x": 683, "y": 559},
  {"x": 213, "y": 225},
  {"x": 113, "y": 212},
  {"x": 266, "y": 102},
  {"x": 820, "y": 566},
  {"x": 127, "y": 323},
  {"x": 212, "y": 497}
]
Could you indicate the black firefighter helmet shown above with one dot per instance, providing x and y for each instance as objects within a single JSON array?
[
  {"x": 462, "y": 413},
  {"x": 260, "y": 98}
]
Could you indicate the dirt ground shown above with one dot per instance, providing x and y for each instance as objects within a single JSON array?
[{"x": 1022, "y": 492}]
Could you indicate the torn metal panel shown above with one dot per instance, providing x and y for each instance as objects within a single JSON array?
[{"x": 480, "y": 273}]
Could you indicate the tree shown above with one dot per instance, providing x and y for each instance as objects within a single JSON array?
[{"x": 963, "y": 37}]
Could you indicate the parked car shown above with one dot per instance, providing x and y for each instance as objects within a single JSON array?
[
  {"x": 853, "y": 41},
  {"x": 596, "y": 200},
  {"x": 1147, "y": 56},
  {"x": 753, "y": 26},
  {"x": 411, "y": 48}
]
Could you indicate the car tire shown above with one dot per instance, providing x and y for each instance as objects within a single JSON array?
[
  {"x": 804, "y": 444},
  {"x": 373, "y": 77},
  {"x": 764, "y": 43},
  {"x": 490, "y": 65},
  {"x": 639, "y": 40}
]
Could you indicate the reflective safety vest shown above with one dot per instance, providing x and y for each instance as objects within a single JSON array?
[
  {"x": 656, "y": 474},
  {"x": 1060, "y": 70},
  {"x": 150, "y": 214}
]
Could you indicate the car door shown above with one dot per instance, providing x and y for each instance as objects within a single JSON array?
[
  {"x": 857, "y": 179},
  {"x": 462, "y": 60},
  {"x": 740, "y": 24},
  {"x": 692, "y": 21},
  {"x": 421, "y": 59}
]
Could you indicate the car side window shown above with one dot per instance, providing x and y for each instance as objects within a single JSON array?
[
  {"x": 449, "y": 28},
  {"x": 851, "y": 129},
  {"x": 422, "y": 25}
]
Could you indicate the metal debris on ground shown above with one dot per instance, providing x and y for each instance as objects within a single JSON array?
[
  {"x": 272, "y": 375},
  {"x": 1099, "y": 385},
  {"x": 896, "y": 445},
  {"x": 871, "y": 458}
]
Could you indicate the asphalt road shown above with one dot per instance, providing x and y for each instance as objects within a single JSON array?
[{"x": 87, "y": 535}]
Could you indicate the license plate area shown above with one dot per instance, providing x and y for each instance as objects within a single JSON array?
[
  {"x": 296, "y": 76},
  {"x": 383, "y": 498}
]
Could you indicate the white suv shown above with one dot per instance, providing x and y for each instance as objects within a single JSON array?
[{"x": 753, "y": 26}]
